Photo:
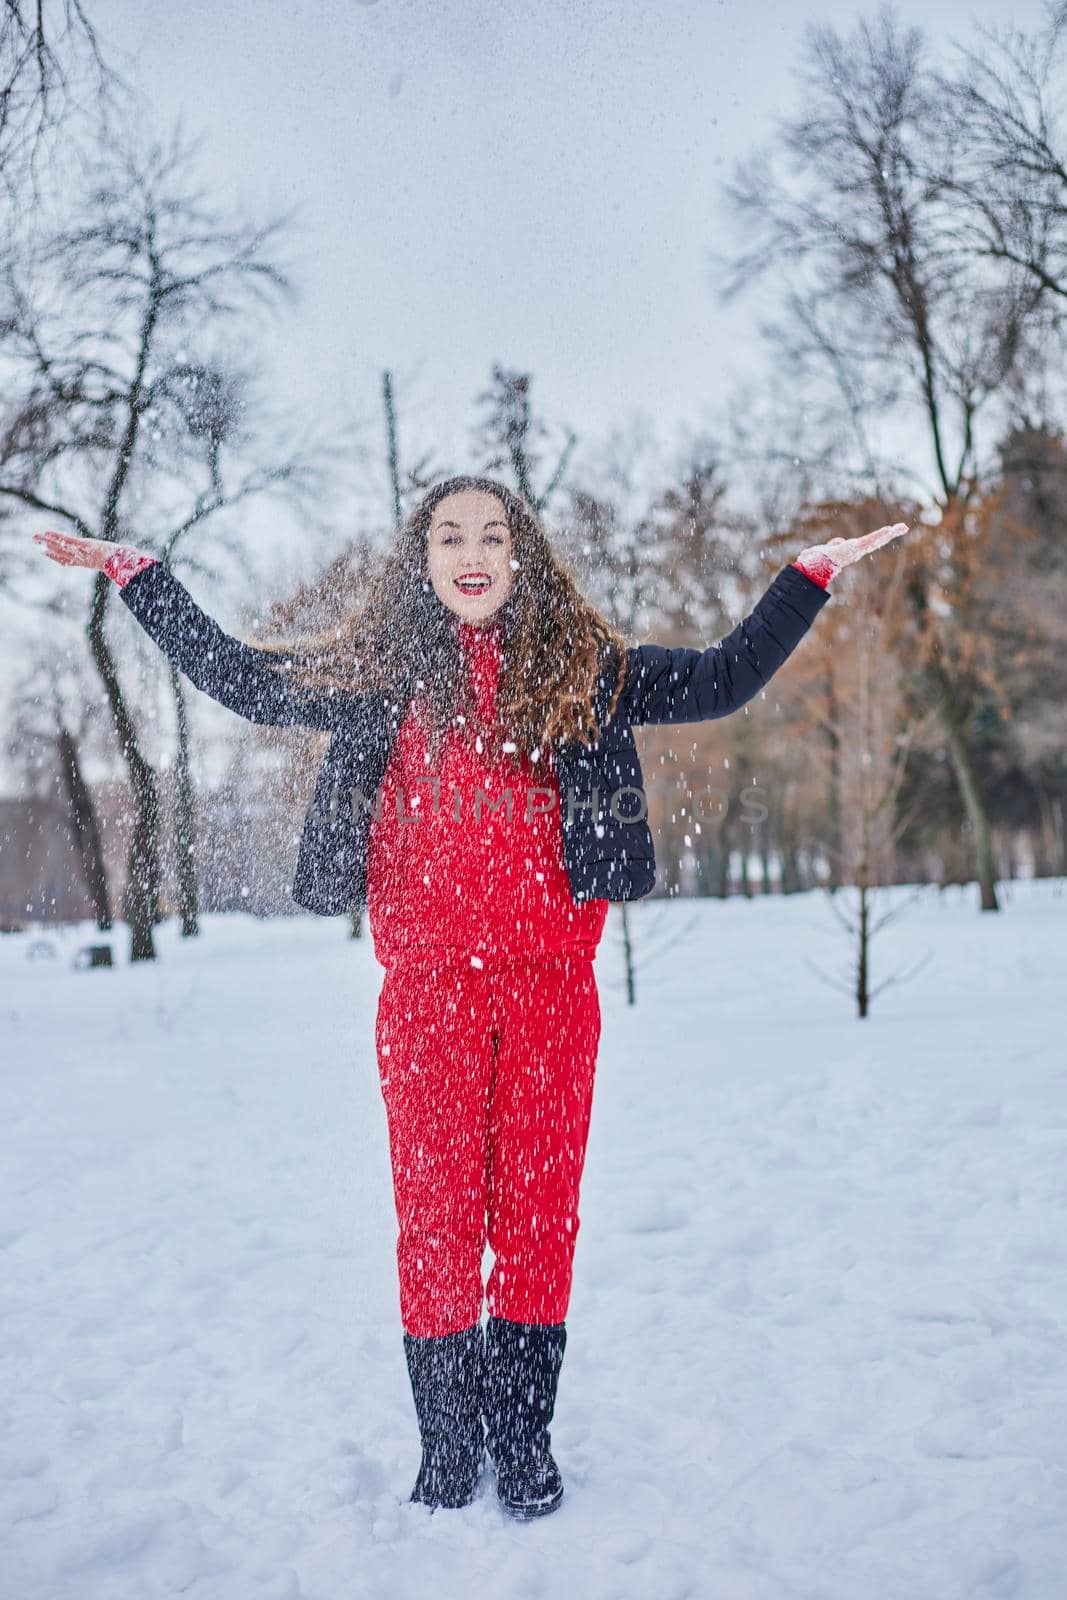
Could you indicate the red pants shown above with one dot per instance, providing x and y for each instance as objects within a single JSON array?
[{"x": 487, "y": 1076}]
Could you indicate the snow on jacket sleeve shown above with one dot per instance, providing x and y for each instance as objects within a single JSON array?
[
  {"x": 123, "y": 564},
  {"x": 821, "y": 569},
  {"x": 238, "y": 676},
  {"x": 681, "y": 684}
]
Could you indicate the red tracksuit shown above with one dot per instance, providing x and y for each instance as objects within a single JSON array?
[{"x": 488, "y": 1024}]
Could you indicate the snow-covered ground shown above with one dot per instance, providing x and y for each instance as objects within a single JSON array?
[{"x": 817, "y": 1336}]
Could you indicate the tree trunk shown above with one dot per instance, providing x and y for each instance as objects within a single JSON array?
[
  {"x": 671, "y": 865},
  {"x": 790, "y": 867},
  {"x": 185, "y": 817},
  {"x": 1049, "y": 854},
  {"x": 722, "y": 888},
  {"x": 766, "y": 886},
  {"x": 786, "y": 841},
  {"x": 833, "y": 799},
  {"x": 863, "y": 994},
  {"x": 82, "y": 815},
  {"x": 141, "y": 899},
  {"x": 942, "y": 689},
  {"x": 970, "y": 792},
  {"x": 628, "y": 954},
  {"x": 746, "y": 878}
]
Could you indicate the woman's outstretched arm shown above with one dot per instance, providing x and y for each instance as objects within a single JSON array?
[
  {"x": 682, "y": 684},
  {"x": 237, "y": 675}
]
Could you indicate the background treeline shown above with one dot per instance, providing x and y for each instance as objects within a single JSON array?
[{"x": 916, "y": 257}]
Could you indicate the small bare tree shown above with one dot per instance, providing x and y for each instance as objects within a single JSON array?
[
  {"x": 510, "y": 437},
  {"x": 664, "y": 930},
  {"x": 869, "y": 754}
]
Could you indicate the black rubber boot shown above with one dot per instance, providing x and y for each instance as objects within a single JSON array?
[
  {"x": 444, "y": 1374},
  {"x": 521, "y": 1371}
]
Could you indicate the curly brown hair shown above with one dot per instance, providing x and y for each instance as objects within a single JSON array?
[{"x": 554, "y": 642}]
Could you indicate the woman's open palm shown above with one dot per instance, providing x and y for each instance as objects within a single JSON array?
[
  {"x": 843, "y": 552},
  {"x": 72, "y": 550}
]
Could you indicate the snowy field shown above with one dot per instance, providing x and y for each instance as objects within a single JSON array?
[{"x": 817, "y": 1336}]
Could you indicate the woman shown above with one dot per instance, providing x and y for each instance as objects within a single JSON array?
[{"x": 482, "y": 794}]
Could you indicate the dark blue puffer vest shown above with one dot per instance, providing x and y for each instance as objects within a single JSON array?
[{"x": 607, "y": 843}]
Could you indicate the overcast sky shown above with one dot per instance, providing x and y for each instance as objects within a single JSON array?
[{"x": 482, "y": 180}]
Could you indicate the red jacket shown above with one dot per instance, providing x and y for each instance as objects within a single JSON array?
[{"x": 475, "y": 886}]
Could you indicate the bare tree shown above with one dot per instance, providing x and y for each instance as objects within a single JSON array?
[
  {"x": 1008, "y": 183},
  {"x": 129, "y": 406},
  {"x": 897, "y": 306},
  {"x": 605, "y": 529},
  {"x": 48, "y": 51},
  {"x": 510, "y": 436},
  {"x": 663, "y": 929},
  {"x": 52, "y": 731},
  {"x": 628, "y": 531},
  {"x": 1020, "y": 586},
  {"x": 870, "y": 751}
]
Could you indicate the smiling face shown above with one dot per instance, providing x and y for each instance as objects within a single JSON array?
[{"x": 468, "y": 552}]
